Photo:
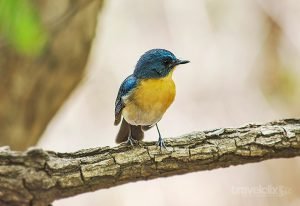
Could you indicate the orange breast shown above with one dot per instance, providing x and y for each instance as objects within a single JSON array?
[{"x": 149, "y": 101}]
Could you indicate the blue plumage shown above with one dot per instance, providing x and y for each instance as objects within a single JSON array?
[
  {"x": 155, "y": 63},
  {"x": 153, "y": 66},
  {"x": 127, "y": 85}
]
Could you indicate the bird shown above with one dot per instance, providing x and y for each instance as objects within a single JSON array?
[{"x": 145, "y": 95}]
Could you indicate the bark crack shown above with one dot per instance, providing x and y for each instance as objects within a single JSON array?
[{"x": 37, "y": 177}]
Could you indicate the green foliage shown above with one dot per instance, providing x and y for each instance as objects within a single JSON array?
[{"x": 20, "y": 26}]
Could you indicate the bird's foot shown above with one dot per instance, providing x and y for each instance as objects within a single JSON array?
[
  {"x": 161, "y": 143},
  {"x": 132, "y": 142}
]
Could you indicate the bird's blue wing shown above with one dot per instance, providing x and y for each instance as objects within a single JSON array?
[{"x": 127, "y": 85}]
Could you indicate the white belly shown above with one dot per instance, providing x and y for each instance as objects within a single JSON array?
[{"x": 135, "y": 115}]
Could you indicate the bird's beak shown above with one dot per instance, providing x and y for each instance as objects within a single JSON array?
[{"x": 181, "y": 62}]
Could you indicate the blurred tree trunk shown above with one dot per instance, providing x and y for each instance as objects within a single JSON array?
[{"x": 33, "y": 89}]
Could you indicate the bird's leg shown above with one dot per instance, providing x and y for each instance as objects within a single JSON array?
[
  {"x": 130, "y": 140},
  {"x": 160, "y": 141}
]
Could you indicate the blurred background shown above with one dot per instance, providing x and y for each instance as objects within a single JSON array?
[{"x": 245, "y": 60}]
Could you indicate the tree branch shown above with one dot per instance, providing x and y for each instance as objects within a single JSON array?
[{"x": 38, "y": 177}]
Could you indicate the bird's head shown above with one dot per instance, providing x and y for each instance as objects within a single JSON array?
[{"x": 156, "y": 63}]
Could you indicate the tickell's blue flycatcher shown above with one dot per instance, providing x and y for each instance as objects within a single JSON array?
[{"x": 144, "y": 96}]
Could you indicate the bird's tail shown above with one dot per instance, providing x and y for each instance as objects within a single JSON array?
[{"x": 124, "y": 132}]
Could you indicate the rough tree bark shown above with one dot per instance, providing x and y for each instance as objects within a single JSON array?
[
  {"x": 38, "y": 177},
  {"x": 33, "y": 89}
]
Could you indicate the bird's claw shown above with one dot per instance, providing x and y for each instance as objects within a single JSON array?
[
  {"x": 132, "y": 142},
  {"x": 161, "y": 144}
]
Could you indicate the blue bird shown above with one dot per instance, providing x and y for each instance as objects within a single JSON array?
[{"x": 144, "y": 96}]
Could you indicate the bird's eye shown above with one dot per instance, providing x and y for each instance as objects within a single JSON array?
[{"x": 167, "y": 61}]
